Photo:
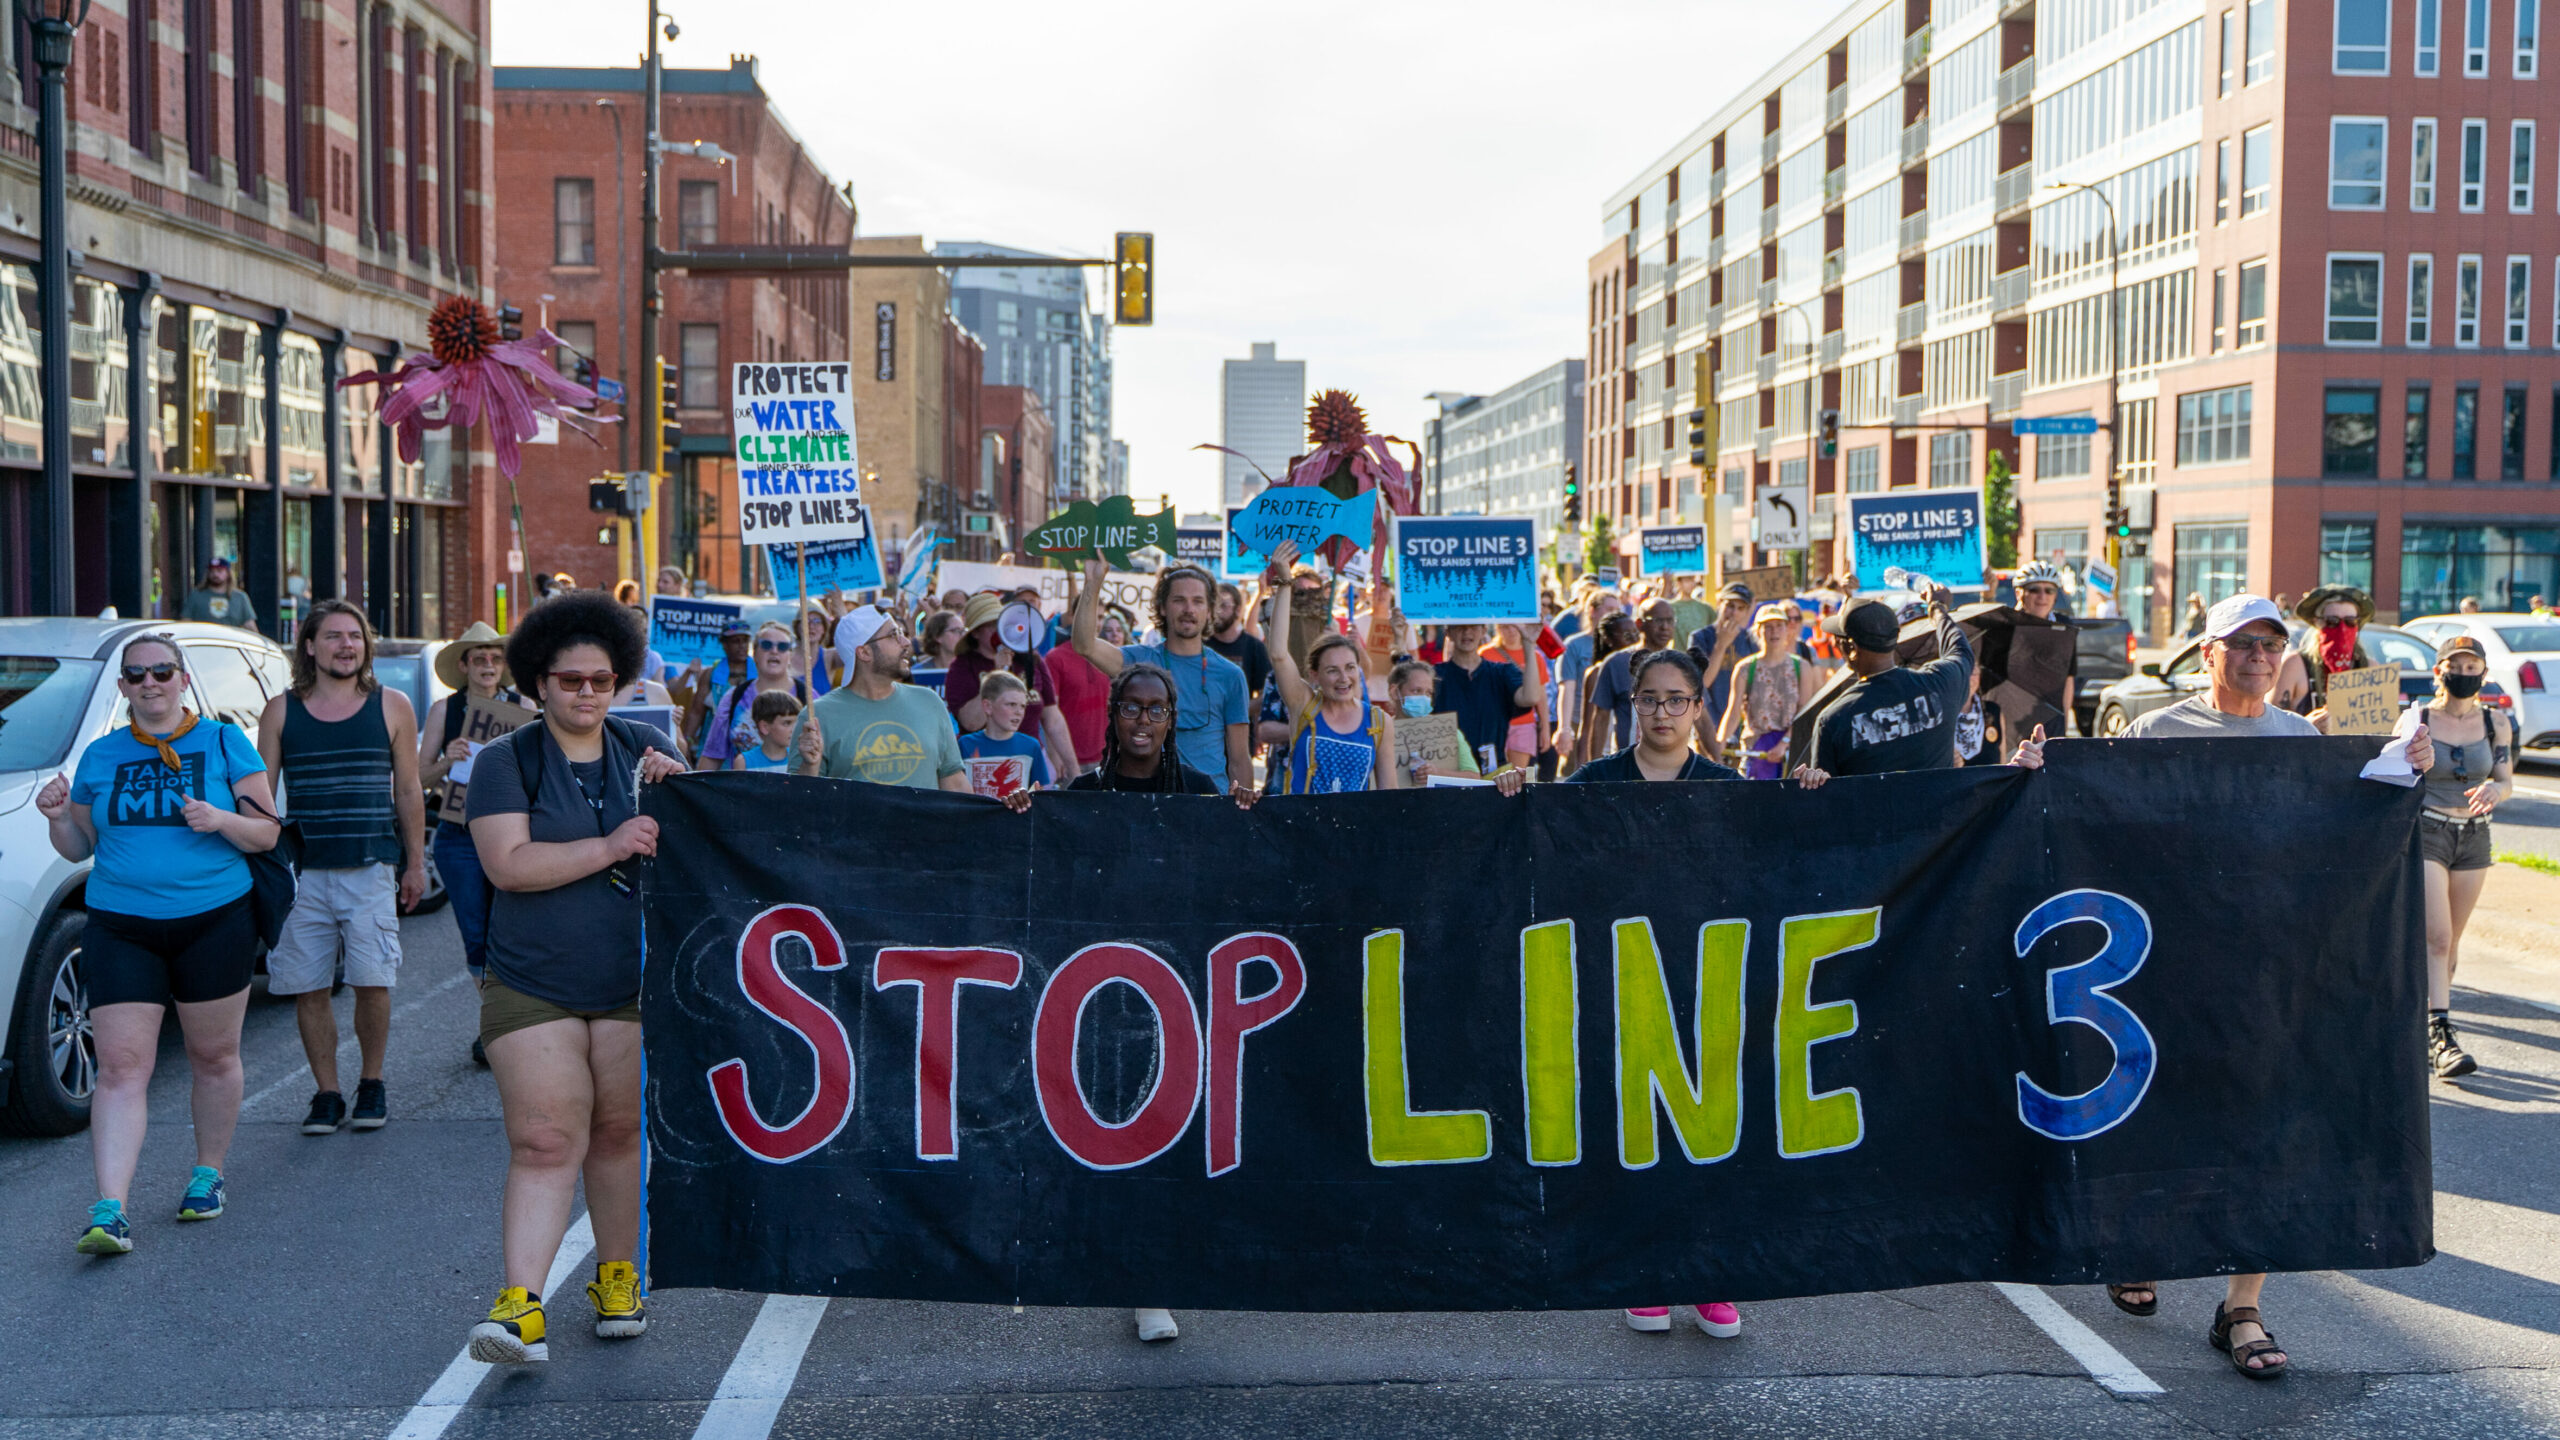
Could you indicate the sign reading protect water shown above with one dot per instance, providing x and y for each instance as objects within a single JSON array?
[{"x": 1478, "y": 570}]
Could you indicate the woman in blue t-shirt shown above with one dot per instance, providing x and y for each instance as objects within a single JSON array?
[{"x": 158, "y": 805}]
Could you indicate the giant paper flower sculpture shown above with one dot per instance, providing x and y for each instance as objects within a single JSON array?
[
  {"x": 472, "y": 371},
  {"x": 1346, "y": 461}
]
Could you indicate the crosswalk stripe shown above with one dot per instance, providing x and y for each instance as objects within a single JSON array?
[
  {"x": 446, "y": 1399},
  {"x": 760, "y": 1378},
  {"x": 2104, "y": 1362}
]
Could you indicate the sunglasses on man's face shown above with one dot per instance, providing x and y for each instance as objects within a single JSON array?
[{"x": 136, "y": 674}]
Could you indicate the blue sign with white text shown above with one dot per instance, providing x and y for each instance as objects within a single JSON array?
[
  {"x": 686, "y": 630},
  {"x": 1305, "y": 514},
  {"x": 1476, "y": 571},
  {"x": 2054, "y": 425},
  {"x": 1673, "y": 549},
  {"x": 835, "y": 564},
  {"x": 1937, "y": 533}
]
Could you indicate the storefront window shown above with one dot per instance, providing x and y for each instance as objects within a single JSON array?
[
  {"x": 174, "y": 433},
  {"x": 360, "y": 441},
  {"x": 302, "y": 404},
  {"x": 2346, "y": 553},
  {"x": 228, "y": 371},
  {"x": 2503, "y": 567},
  {"x": 101, "y": 393},
  {"x": 2212, "y": 561},
  {"x": 21, "y": 381}
]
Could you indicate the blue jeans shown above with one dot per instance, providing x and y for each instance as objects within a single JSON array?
[{"x": 458, "y": 862}]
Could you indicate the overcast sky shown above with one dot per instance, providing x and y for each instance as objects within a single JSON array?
[{"x": 1402, "y": 193}]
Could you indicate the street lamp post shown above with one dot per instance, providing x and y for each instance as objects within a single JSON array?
[
  {"x": 54, "y": 22},
  {"x": 2115, "y": 367}
]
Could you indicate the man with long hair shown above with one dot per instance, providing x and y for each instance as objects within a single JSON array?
[
  {"x": 1209, "y": 689},
  {"x": 348, "y": 751}
]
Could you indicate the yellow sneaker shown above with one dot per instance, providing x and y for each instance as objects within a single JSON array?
[
  {"x": 512, "y": 1334},
  {"x": 620, "y": 1312}
]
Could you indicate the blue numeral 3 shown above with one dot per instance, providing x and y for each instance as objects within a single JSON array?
[{"x": 2077, "y": 995}]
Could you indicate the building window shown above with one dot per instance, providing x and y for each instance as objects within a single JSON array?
[
  {"x": 2346, "y": 553},
  {"x": 577, "y": 341},
  {"x": 142, "y": 84},
  {"x": 2215, "y": 330},
  {"x": 2256, "y": 169},
  {"x": 2363, "y": 43},
  {"x": 2520, "y": 167},
  {"x": 2519, "y": 299},
  {"x": 2355, "y": 161},
  {"x": 2213, "y": 561},
  {"x": 2503, "y": 567},
  {"x": 2528, "y": 36},
  {"x": 248, "y": 54},
  {"x": 2475, "y": 163},
  {"x": 573, "y": 222},
  {"x": 2262, "y": 40},
  {"x": 2061, "y": 456},
  {"x": 2466, "y": 300},
  {"x": 2466, "y": 432},
  {"x": 2413, "y": 433},
  {"x": 1862, "y": 470},
  {"x": 2253, "y": 303},
  {"x": 2511, "y": 435},
  {"x": 2351, "y": 431},
  {"x": 2422, "y": 282},
  {"x": 2222, "y": 182},
  {"x": 2422, "y": 164},
  {"x": 2555, "y": 435},
  {"x": 2227, "y": 62},
  {"x": 2213, "y": 426},
  {"x": 2355, "y": 300},
  {"x": 2475, "y": 37},
  {"x": 701, "y": 360},
  {"x": 2427, "y": 35},
  {"x": 697, "y": 213},
  {"x": 1951, "y": 461}
]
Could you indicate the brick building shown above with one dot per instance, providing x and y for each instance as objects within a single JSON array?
[
  {"x": 263, "y": 199},
  {"x": 915, "y": 398},
  {"x": 1017, "y": 462},
  {"x": 568, "y": 151},
  {"x": 2329, "y": 346}
]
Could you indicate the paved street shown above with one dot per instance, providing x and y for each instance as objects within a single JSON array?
[{"x": 332, "y": 1300}]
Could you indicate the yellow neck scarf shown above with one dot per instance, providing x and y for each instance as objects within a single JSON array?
[{"x": 168, "y": 751}]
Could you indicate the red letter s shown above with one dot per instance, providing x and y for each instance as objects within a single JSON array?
[{"x": 762, "y": 980}]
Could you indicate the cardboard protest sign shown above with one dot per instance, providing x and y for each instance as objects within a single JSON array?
[
  {"x": 483, "y": 721},
  {"x": 835, "y": 566},
  {"x": 1767, "y": 582},
  {"x": 1307, "y": 514},
  {"x": 1134, "y": 593},
  {"x": 2364, "y": 701},
  {"x": 798, "y": 475},
  {"x": 1110, "y": 528},
  {"x": 1672, "y": 550},
  {"x": 1204, "y": 547},
  {"x": 1937, "y": 533},
  {"x": 1434, "y": 740},
  {"x": 686, "y": 630},
  {"x": 1466, "y": 570},
  {"x": 1688, "y": 617}
]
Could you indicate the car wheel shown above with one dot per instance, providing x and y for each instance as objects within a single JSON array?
[
  {"x": 50, "y": 1039},
  {"x": 2112, "y": 722}
]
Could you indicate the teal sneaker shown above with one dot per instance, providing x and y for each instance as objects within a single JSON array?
[
  {"x": 204, "y": 1195},
  {"x": 106, "y": 1233}
]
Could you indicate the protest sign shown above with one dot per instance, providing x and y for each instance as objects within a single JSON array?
[
  {"x": 1767, "y": 582},
  {"x": 1605, "y": 577},
  {"x": 483, "y": 721},
  {"x": 1131, "y": 592},
  {"x": 1307, "y": 514},
  {"x": 1434, "y": 740},
  {"x": 1110, "y": 528},
  {"x": 660, "y": 717},
  {"x": 1672, "y": 550},
  {"x": 1204, "y": 547},
  {"x": 930, "y": 679},
  {"x": 1238, "y": 561},
  {"x": 1688, "y": 617},
  {"x": 2364, "y": 701},
  {"x": 998, "y": 1063},
  {"x": 686, "y": 630},
  {"x": 798, "y": 475},
  {"x": 1937, "y": 533},
  {"x": 836, "y": 565},
  {"x": 1472, "y": 570}
]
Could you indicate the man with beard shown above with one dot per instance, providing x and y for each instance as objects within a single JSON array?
[
  {"x": 347, "y": 748},
  {"x": 875, "y": 727},
  {"x": 1209, "y": 689},
  {"x": 220, "y": 602},
  {"x": 1230, "y": 636}
]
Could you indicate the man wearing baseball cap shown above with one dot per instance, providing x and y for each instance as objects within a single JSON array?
[
  {"x": 1890, "y": 717},
  {"x": 874, "y": 727},
  {"x": 220, "y": 602}
]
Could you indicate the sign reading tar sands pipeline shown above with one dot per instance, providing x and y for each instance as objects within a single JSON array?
[{"x": 1732, "y": 1039}]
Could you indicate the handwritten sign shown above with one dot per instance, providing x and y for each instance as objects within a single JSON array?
[
  {"x": 483, "y": 721},
  {"x": 798, "y": 475},
  {"x": 1673, "y": 549},
  {"x": 835, "y": 565},
  {"x": 1767, "y": 582},
  {"x": 1306, "y": 514},
  {"x": 1131, "y": 592},
  {"x": 2364, "y": 702},
  {"x": 687, "y": 630},
  {"x": 1477, "y": 570},
  {"x": 1431, "y": 740},
  {"x": 1111, "y": 529}
]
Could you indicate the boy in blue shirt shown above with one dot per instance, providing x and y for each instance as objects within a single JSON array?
[
  {"x": 1002, "y": 760},
  {"x": 776, "y": 712}
]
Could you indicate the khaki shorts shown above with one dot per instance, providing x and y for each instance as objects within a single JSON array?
[
  {"x": 504, "y": 1012},
  {"x": 350, "y": 915}
]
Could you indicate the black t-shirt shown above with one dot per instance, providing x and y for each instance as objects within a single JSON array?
[
  {"x": 1186, "y": 781},
  {"x": 1483, "y": 699},
  {"x": 1902, "y": 719},
  {"x": 1622, "y": 765},
  {"x": 1250, "y": 656}
]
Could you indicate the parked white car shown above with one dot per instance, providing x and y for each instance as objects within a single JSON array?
[
  {"x": 2524, "y": 658},
  {"x": 57, "y": 693}
]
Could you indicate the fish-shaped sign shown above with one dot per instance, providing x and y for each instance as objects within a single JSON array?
[
  {"x": 1308, "y": 514},
  {"x": 1111, "y": 529}
]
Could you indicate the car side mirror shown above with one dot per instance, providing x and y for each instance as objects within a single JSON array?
[{"x": 2151, "y": 669}]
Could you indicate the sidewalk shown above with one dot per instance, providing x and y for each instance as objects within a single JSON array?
[{"x": 2512, "y": 946}]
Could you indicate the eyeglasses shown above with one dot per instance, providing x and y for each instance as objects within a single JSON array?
[
  {"x": 601, "y": 682},
  {"x": 134, "y": 674},
  {"x": 1664, "y": 704},
  {"x": 2332, "y": 622},
  {"x": 2260, "y": 644},
  {"x": 781, "y": 646},
  {"x": 1132, "y": 710}
]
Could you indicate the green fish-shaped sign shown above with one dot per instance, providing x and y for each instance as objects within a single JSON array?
[{"x": 1111, "y": 529}]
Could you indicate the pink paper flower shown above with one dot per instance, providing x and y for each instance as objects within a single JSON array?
[{"x": 469, "y": 371}]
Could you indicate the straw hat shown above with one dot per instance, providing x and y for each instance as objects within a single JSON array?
[
  {"x": 449, "y": 659},
  {"x": 2308, "y": 608}
]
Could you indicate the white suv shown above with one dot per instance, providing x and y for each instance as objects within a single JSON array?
[
  {"x": 57, "y": 693},
  {"x": 2524, "y": 658}
]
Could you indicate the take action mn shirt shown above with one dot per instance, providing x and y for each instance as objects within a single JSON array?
[{"x": 148, "y": 862}]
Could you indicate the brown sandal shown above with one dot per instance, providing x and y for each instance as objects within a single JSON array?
[
  {"x": 2247, "y": 1350},
  {"x": 2116, "y": 1293}
]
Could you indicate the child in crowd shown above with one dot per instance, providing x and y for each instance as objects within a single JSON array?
[
  {"x": 1002, "y": 760},
  {"x": 775, "y": 713}
]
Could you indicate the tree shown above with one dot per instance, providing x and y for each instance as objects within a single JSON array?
[
  {"x": 2000, "y": 511},
  {"x": 1599, "y": 548}
]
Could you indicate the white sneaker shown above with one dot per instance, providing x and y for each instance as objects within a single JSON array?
[
  {"x": 1650, "y": 1319},
  {"x": 1154, "y": 1325}
]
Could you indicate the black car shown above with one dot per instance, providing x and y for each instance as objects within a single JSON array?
[
  {"x": 2160, "y": 685},
  {"x": 2104, "y": 650}
]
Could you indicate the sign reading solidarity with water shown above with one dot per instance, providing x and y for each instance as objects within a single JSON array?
[
  {"x": 798, "y": 476},
  {"x": 684, "y": 630},
  {"x": 1304, "y": 513},
  {"x": 998, "y": 1063},
  {"x": 1937, "y": 533},
  {"x": 1111, "y": 529},
  {"x": 837, "y": 565},
  {"x": 1471, "y": 570},
  {"x": 1673, "y": 549}
]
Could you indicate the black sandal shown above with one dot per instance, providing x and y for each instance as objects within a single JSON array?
[
  {"x": 2247, "y": 1350},
  {"x": 2151, "y": 1306}
]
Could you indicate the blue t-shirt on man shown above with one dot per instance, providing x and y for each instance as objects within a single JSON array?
[
  {"x": 1208, "y": 696},
  {"x": 148, "y": 862}
]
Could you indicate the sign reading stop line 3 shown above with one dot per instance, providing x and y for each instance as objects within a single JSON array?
[{"x": 799, "y": 471}]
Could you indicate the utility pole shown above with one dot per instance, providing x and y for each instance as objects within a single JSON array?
[
  {"x": 2115, "y": 378},
  {"x": 652, "y": 307}
]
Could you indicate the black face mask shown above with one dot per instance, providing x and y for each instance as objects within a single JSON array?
[{"x": 2463, "y": 687}]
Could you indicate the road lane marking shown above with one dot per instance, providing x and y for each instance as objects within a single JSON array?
[
  {"x": 2104, "y": 1362},
  {"x": 349, "y": 1044},
  {"x": 446, "y": 1399},
  {"x": 760, "y": 1379}
]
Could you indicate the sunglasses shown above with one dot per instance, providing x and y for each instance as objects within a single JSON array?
[
  {"x": 571, "y": 682},
  {"x": 2332, "y": 622},
  {"x": 136, "y": 674},
  {"x": 784, "y": 646}
]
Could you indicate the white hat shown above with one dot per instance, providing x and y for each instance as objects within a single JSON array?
[
  {"x": 856, "y": 629},
  {"x": 2235, "y": 613}
]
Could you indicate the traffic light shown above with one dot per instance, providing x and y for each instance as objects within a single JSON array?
[
  {"x": 607, "y": 495},
  {"x": 670, "y": 429},
  {"x": 1572, "y": 494},
  {"x": 1134, "y": 278},
  {"x": 1827, "y": 434},
  {"x": 1698, "y": 452},
  {"x": 510, "y": 322}
]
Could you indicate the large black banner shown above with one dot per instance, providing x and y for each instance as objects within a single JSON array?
[{"x": 2153, "y": 1012}]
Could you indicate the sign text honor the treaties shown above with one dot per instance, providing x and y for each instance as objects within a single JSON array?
[{"x": 799, "y": 470}]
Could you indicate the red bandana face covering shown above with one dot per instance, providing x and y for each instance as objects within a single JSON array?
[{"x": 2338, "y": 648}]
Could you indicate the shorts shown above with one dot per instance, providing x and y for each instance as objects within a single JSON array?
[
  {"x": 139, "y": 960},
  {"x": 351, "y": 915},
  {"x": 2452, "y": 843},
  {"x": 504, "y": 1011}
]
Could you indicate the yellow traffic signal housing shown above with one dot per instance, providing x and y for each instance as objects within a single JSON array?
[{"x": 1134, "y": 274}]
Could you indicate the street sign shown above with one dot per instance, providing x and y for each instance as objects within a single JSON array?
[
  {"x": 2054, "y": 425},
  {"x": 608, "y": 388},
  {"x": 1781, "y": 511}
]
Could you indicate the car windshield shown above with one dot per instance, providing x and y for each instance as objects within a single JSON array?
[
  {"x": 2412, "y": 655},
  {"x": 402, "y": 673},
  {"x": 2529, "y": 637},
  {"x": 41, "y": 702}
]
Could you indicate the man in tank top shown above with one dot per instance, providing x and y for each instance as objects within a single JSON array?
[{"x": 347, "y": 750}]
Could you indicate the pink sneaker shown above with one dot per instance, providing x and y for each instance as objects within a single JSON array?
[
  {"x": 1652, "y": 1319},
  {"x": 1719, "y": 1319}
]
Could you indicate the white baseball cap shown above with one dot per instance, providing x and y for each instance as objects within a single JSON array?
[
  {"x": 861, "y": 623},
  {"x": 2236, "y": 613}
]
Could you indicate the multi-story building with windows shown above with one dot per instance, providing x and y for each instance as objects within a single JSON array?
[
  {"x": 1040, "y": 332},
  {"x": 1262, "y": 407},
  {"x": 2292, "y": 259},
  {"x": 1505, "y": 453}
]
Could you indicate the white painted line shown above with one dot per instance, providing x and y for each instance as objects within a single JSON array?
[
  {"x": 760, "y": 1379},
  {"x": 347, "y": 1046},
  {"x": 446, "y": 1399},
  {"x": 2104, "y": 1362},
  {"x": 2538, "y": 793}
]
